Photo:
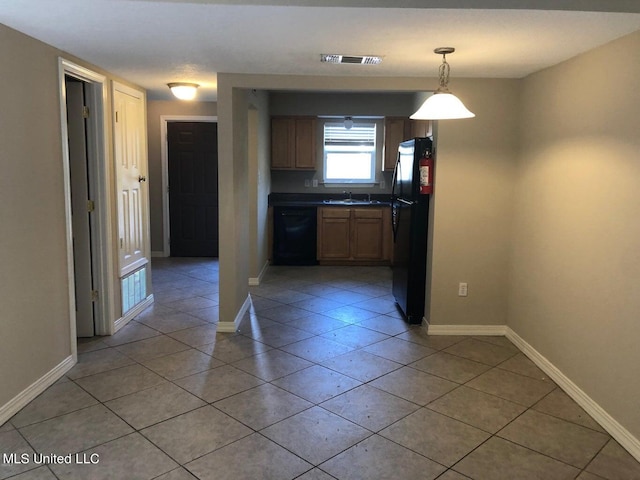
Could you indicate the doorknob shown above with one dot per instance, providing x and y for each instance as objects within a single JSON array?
[{"x": 142, "y": 179}]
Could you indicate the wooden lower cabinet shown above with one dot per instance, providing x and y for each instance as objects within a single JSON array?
[
  {"x": 334, "y": 234},
  {"x": 354, "y": 235}
]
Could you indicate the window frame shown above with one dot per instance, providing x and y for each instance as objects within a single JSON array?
[{"x": 376, "y": 153}]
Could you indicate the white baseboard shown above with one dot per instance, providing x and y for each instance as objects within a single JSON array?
[
  {"x": 255, "y": 281},
  {"x": 606, "y": 421},
  {"x": 232, "y": 327},
  {"x": 488, "y": 330},
  {"x": 18, "y": 402},
  {"x": 127, "y": 317}
]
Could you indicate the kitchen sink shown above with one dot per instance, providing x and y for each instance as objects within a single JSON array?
[{"x": 351, "y": 201}]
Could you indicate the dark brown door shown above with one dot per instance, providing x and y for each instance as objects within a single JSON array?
[{"x": 193, "y": 188}]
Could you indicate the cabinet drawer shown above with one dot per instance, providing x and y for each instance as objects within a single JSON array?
[
  {"x": 367, "y": 213},
  {"x": 336, "y": 213}
]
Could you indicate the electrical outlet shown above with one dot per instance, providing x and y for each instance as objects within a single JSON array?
[
  {"x": 307, "y": 182},
  {"x": 315, "y": 182},
  {"x": 463, "y": 289}
]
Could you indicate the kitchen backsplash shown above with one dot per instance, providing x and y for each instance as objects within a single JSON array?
[{"x": 296, "y": 182}]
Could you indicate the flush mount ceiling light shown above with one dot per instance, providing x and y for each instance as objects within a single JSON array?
[
  {"x": 183, "y": 90},
  {"x": 348, "y": 123},
  {"x": 350, "y": 59},
  {"x": 442, "y": 105}
]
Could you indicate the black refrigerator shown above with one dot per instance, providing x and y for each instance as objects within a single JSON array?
[{"x": 410, "y": 219}]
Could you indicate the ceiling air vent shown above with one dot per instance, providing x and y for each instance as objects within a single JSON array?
[{"x": 350, "y": 59}]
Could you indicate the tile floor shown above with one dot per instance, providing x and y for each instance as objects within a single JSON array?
[{"x": 323, "y": 380}]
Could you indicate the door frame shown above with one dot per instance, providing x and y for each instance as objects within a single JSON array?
[
  {"x": 164, "y": 158},
  {"x": 100, "y": 177}
]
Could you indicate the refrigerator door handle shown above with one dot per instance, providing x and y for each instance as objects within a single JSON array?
[
  {"x": 394, "y": 218},
  {"x": 396, "y": 203},
  {"x": 394, "y": 181},
  {"x": 394, "y": 198}
]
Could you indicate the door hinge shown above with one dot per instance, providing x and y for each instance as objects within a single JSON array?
[
  {"x": 116, "y": 116},
  {"x": 85, "y": 111},
  {"x": 91, "y": 206},
  {"x": 121, "y": 243},
  {"x": 94, "y": 295}
]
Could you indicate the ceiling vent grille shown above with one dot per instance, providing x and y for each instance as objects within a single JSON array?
[{"x": 350, "y": 59}]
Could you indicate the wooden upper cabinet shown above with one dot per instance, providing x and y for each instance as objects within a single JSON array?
[
  {"x": 394, "y": 133},
  {"x": 293, "y": 143},
  {"x": 419, "y": 128},
  {"x": 305, "y": 156},
  {"x": 399, "y": 129},
  {"x": 283, "y": 142}
]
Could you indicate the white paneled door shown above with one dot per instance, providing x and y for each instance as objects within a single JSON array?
[{"x": 131, "y": 173}]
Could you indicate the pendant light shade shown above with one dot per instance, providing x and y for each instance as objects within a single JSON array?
[
  {"x": 442, "y": 105},
  {"x": 183, "y": 91}
]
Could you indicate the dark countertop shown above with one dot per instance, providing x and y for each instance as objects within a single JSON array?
[{"x": 318, "y": 200}]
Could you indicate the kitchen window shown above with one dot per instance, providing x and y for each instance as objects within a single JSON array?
[{"x": 350, "y": 154}]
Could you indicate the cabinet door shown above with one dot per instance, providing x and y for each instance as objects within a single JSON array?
[
  {"x": 305, "y": 150},
  {"x": 283, "y": 142},
  {"x": 394, "y": 130},
  {"x": 367, "y": 234},
  {"x": 387, "y": 235},
  {"x": 334, "y": 232},
  {"x": 420, "y": 128}
]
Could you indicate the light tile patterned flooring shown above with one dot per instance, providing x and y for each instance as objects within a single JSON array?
[{"x": 323, "y": 380}]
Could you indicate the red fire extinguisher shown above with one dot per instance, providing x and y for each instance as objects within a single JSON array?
[{"x": 426, "y": 174}]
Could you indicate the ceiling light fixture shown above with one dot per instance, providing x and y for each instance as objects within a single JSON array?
[
  {"x": 183, "y": 90},
  {"x": 442, "y": 105},
  {"x": 348, "y": 123}
]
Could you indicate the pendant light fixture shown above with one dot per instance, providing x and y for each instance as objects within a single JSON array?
[
  {"x": 442, "y": 105},
  {"x": 183, "y": 90}
]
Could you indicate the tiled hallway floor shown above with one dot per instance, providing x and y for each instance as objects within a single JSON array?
[{"x": 323, "y": 380}]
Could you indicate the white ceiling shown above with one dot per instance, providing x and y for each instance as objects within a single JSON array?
[{"x": 153, "y": 42}]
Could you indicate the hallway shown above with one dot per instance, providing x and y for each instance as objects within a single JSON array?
[{"x": 323, "y": 380}]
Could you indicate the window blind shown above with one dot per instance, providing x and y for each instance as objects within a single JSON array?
[{"x": 361, "y": 134}]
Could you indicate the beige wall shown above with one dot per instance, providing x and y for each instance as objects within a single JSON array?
[
  {"x": 472, "y": 198},
  {"x": 155, "y": 109},
  {"x": 34, "y": 284},
  {"x": 576, "y": 236},
  {"x": 34, "y": 316},
  {"x": 259, "y": 138}
]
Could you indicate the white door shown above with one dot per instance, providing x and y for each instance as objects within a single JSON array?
[{"x": 131, "y": 173}]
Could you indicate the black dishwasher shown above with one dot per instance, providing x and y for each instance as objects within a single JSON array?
[{"x": 294, "y": 235}]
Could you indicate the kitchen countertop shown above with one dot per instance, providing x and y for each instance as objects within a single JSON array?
[{"x": 319, "y": 200}]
